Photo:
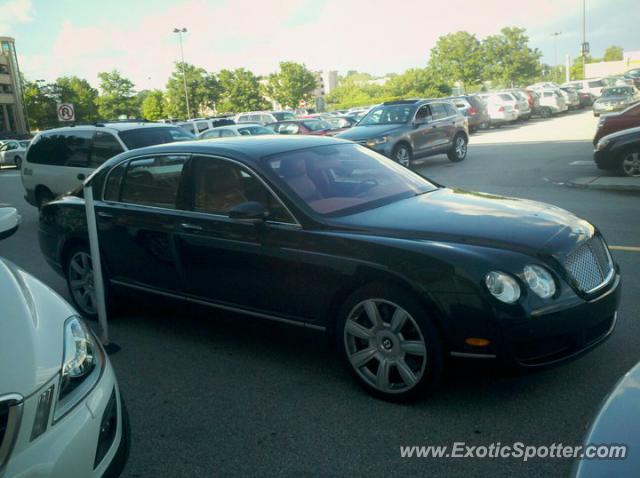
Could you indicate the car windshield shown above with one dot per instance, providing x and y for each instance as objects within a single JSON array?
[
  {"x": 341, "y": 179},
  {"x": 142, "y": 137},
  {"x": 388, "y": 114},
  {"x": 284, "y": 116},
  {"x": 617, "y": 91},
  {"x": 254, "y": 130},
  {"x": 316, "y": 125}
]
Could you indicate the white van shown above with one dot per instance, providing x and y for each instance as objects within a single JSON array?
[{"x": 58, "y": 160}]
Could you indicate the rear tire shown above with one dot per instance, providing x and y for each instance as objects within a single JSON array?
[
  {"x": 78, "y": 270},
  {"x": 43, "y": 196},
  {"x": 546, "y": 112},
  {"x": 389, "y": 343},
  {"x": 458, "y": 149},
  {"x": 403, "y": 155},
  {"x": 18, "y": 162}
]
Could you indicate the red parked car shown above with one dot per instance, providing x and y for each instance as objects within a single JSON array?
[
  {"x": 316, "y": 127},
  {"x": 612, "y": 122}
]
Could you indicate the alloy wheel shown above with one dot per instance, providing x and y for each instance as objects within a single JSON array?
[
  {"x": 402, "y": 156},
  {"x": 81, "y": 282},
  {"x": 461, "y": 148},
  {"x": 631, "y": 164},
  {"x": 385, "y": 346}
]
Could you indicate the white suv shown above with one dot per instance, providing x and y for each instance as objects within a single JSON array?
[
  {"x": 551, "y": 102},
  {"x": 593, "y": 86},
  {"x": 61, "y": 413},
  {"x": 58, "y": 160}
]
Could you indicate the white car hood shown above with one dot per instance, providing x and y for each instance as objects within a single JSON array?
[{"x": 32, "y": 319}]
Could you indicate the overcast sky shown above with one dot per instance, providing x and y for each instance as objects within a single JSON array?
[{"x": 83, "y": 37}]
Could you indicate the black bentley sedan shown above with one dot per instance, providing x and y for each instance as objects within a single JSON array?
[{"x": 326, "y": 234}]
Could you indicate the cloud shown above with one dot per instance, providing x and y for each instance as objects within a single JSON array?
[
  {"x": 378, "y": 36},
  {"x": 12, "y": 12}
]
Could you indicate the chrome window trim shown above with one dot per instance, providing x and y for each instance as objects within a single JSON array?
[{"x": 189, "y": 156}]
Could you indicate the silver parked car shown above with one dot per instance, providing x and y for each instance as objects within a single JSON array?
[{"x": 402, "y": 130}]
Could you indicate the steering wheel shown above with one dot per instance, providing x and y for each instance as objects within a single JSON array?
[{"x": 364, "y": 186}]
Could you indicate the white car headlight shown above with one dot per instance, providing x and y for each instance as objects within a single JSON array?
[
  {"x": 540, "y": 281},
  {"x": 380, "y": 140},
  {"x": 81, "y": 365},
  {"x": 502, "y": 286},
  {"x": 603, "y": 143}
]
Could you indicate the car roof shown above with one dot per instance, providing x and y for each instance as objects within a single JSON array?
[
  {"x": 118, "y": 126},
  {"x": 250, "y": 148}
]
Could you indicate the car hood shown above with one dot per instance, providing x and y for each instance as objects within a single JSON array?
[
  {"x": 606, "y": 99},
  {"x": 625, "y": 132},
  {"x": 453, "y": 215},
  {"x": 358, "y": 133},
  {"x": 31, "y": 331}
]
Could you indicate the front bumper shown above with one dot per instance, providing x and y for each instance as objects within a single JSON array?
[
  {"x": 68, "y": 447},
  {"x": 605, "y": 159},
  {"x": 546, "y": 337},
  {"x": 600, "y": 109}
]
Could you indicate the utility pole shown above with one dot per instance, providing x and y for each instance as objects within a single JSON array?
[
  {"x": 555, "y": 36},
  {"x": 584, "y": 39},
  {"x": 180, "y": 31}
]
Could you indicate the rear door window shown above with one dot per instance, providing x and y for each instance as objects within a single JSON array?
[
  {"x": 151, "y": 135},
  {"x": 202, "y": 126},
  {"x": 438, "y": 110},
  {"x": 153, "y": 181},
  {"x": 105, "y": 146}
]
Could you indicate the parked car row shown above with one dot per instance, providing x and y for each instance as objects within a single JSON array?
[{"x": 617, "y": 142}]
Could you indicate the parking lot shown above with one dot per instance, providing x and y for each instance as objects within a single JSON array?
[{"x": 213, "y": 393}]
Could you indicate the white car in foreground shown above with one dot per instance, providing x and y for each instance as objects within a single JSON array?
[{"x": 61, "y": 414}]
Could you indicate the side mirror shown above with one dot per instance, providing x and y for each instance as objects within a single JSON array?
[
  {"x": 250, "y": 211},
  {"x": 9, "y": 221}
]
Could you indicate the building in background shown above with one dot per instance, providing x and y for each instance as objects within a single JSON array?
[
  {"x": 630, "y": 59},
  {"x": 12, "y": 117},
  {"x": 326, "y": 81}
]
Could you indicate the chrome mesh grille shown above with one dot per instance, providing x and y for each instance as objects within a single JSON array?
[
  {"x": 10, "y": 413},
  {"x": 590, "y": 264}
]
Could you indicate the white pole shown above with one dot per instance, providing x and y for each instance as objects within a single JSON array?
[{"x": 94, "y": 247}]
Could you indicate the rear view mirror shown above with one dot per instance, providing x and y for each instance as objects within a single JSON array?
[
  {"x": 251, "y": 211},
  {"x": 9, "y": 221}
]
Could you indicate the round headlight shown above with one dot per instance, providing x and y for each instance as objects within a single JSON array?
[
  {"x": 502, "y": 286},
  {"x": 540, "y": 281}
]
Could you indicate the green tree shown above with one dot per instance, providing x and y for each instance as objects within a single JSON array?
[
  {"x": 117, "y": 97},
  {"x": 153, "y": 105},
  {"x": 202, "y": 90},
  {"x": 291, "y": 84},
  {"x": 416, "y": 82},
  {"x": 239, "y": 91},
  {"x": 613, "y": 53},
  {"x": 508, "y": 59},
  {"x": 457, "y": 57},
  {"x": 80, "y": 93},
  {"x": 40, "y": 106},
  {"x": 575, "y": 71}
]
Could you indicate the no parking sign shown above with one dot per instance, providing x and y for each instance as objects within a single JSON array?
[{"x": 66, "y": 112}]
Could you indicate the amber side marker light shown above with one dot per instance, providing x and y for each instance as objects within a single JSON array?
[{"x": 477, "y": 342}]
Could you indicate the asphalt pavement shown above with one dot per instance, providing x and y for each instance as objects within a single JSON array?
[{"x": 217, "y": 394}]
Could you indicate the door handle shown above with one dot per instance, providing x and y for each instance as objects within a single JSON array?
[
  {"x": 105, "y": 215},
  {"x": 190, "y": 227}
]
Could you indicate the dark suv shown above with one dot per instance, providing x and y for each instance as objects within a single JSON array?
[{"x": 407, "y": 129}]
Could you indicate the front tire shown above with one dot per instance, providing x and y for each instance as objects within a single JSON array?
[
  {"x": 546, "y": 112},
  {"x": 389, "y": 343},
  {"x": 630, "y": 163},
  {"x": 403, "y": 155},
  {"x": 458, "y": 150}
]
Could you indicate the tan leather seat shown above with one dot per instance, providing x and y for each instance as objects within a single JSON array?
[
  {"x": 294, "y": 172},
  {"x": 220, "y": 190}
]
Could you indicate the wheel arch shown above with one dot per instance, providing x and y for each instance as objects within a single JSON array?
[{"x": 366, "y": 276}]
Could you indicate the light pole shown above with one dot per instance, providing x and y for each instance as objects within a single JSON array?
[
  {"x": 180, "y": 31},
  {"x": 584, "y": 39},
  {"x": 555, "y": 49}
]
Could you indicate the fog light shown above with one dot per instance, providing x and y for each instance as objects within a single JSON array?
[
  {"x": 477, "y": 342},
  {"x": 41, "y": 420}
]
